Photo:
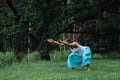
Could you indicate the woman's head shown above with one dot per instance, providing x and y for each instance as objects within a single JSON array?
[{"x": 69, "y": 40}]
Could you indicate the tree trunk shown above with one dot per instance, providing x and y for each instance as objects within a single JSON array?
[
  {"x": 10, "y": 5},
  {"x": 119, "y": 43},
  {"x": 44, "y": 54}
]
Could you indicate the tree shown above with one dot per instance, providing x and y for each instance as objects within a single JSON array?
[{"x": 31, "y": 22}]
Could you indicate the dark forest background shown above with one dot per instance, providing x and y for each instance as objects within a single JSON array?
[{"x": 25, "y": 25}]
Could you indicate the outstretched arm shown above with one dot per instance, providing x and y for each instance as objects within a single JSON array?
[
  {"x": 55, "y": 42},
  {"x": 72, "y": 44}
]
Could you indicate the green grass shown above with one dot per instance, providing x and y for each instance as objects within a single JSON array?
[{"x": 101, "y": 69}]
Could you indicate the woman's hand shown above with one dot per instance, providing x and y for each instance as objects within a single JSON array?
[{"x": 50, "y": 40}]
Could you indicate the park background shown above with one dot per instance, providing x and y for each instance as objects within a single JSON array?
[{"x": 25, "y": 26}]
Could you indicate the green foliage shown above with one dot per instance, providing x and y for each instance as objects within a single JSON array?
[
  {"x": 97, "y": 56},
  {"x": 14, "y": 36},
  {"x": 114, "y": 55},
  {"x": 12, "y": 31},
  {"x": 50, "y": 18},
  {"x": 59, "y": 55},
  {"x": 32, "y": 57},
  {"x": 10, "y": 57},
  {"x": 7, "y": 58}
]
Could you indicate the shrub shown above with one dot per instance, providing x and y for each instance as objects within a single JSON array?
[
  {"x": 10, "y": 57},
  {"x": 7, "y": 58},
  {"x": 31, "y": 57},
  {"x": 2, "y": 59},
  {"x": 114, "y": 55},
  {"x": 97, "y": 56},
  {"x": 59, "y": 55}
]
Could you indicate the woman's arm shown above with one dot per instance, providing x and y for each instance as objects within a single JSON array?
[
  {"x": 72, "y": 44},
  {"x": 55, "y": 42}
]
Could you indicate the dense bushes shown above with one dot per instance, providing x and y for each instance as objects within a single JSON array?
[
  {"x": 31, "y": 57},
  {"x": 59, "y": 55},
  {"x": 7, "y": 58}
]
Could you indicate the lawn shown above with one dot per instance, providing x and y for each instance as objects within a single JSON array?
[{"x": 101, "y": 69}]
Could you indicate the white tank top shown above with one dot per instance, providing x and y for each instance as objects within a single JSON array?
[{"x": 79, "y": 50}]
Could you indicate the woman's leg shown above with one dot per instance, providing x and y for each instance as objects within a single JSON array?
[
  {"x": 74, "y": 60},
  {"x": 88, "y": 67},
  {"x": 86, "y": 58}
]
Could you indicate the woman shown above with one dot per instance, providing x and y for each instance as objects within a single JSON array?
[{"x": 80, "y": 54}]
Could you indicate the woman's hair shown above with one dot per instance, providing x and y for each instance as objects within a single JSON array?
[{"x": 69, "y": 40}]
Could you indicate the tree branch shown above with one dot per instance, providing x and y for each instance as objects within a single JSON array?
[
  {"x": 9, "y": 2},
  {"x": 96, "y": 33},
  {"x": 104, "y": 6}
]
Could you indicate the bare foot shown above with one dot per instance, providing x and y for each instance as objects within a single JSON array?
[{"x": 88, "y": 69}]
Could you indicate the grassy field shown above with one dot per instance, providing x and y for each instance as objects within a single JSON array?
[{"x": 101, "y": 69}]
